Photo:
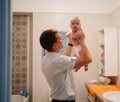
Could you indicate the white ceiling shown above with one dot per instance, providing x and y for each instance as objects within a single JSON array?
[{"x": 73, "y": 6}]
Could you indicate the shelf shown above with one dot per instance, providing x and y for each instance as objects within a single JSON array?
[
  {"x": 101, "y": 43},
  {"x": 108, "y": 46},
  {"x": 102, "y": 60},
  {"x": 102, "y": 31}
]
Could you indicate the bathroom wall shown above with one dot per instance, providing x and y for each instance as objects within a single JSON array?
[
  {"x": 58, "y": 16},
  {"x": 91, "y": 24},
  {"x": 82, "y": 6},
  {"x": 22, "y": 54},
  {"x": 19, "y": 53}
]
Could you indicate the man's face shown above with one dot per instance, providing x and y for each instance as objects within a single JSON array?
[{"x": 59, "y": 41}]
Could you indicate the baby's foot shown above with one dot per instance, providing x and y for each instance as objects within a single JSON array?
[{"x": 86, "y": 68}]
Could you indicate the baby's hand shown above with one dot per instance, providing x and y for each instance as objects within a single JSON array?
[{"x": 86, "y": 68}]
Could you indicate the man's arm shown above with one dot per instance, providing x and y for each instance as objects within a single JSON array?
[
  {"x": 85, "y": 56},
  {"x": 68, "y": 50}
]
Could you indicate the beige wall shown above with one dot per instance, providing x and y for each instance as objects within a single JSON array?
[
  {"x": 91, "y": 24},
  {"x": 81, "y": 6},
  {"x": 115, "y": 18}
]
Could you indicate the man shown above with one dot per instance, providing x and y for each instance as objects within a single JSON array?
[{"x": 58, "y": 68}]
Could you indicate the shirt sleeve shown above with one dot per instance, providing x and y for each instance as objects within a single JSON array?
[{"x": 66, "y": 62}]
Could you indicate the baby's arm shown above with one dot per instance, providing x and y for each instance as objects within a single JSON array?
[{"x": 69, "y": 36}]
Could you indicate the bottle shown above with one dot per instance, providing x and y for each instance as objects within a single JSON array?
[{"x": 25, "y": 93}]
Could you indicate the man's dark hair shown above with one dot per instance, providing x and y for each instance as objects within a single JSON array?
[{"x": 48, "y": 38}]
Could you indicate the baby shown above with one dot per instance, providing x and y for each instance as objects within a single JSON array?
[{"x": 74, "y": 36}]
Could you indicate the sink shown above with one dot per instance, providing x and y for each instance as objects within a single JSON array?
[{"x": 112, "y": 96}]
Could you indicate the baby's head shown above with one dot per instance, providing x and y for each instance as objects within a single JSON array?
[{"x": 75, "y": 24}]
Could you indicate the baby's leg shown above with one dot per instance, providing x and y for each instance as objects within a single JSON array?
[{"x": 85, "y": 67}]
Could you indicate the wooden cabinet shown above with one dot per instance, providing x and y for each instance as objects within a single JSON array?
[{"x": 108, "y": 52}]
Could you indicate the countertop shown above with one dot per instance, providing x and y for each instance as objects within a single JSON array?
[{"x": 99, "y": 96}]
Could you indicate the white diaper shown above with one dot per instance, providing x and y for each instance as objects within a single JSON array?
[{"x": 76, "y": 50}]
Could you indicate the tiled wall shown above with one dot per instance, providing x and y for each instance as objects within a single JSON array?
[{"x": 21, "y": 69}]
